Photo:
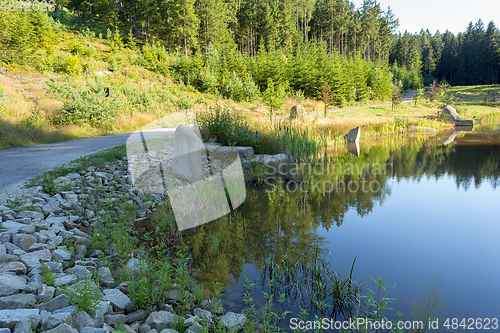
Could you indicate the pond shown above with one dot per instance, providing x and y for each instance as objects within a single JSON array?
[{"x": 416, "y": 215}]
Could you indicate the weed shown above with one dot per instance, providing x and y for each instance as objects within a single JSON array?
[
  {"x": 49, "y": 278},
  {"x": 85, "y": 295},
  {"x": 198, "y": 293}
]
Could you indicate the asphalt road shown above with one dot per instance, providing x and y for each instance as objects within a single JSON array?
[{"x": 18, "y": 165}]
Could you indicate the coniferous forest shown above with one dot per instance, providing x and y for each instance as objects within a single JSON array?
[{"x": 235, "y": 47}]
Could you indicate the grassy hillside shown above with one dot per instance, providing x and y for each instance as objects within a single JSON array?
[{"x": 55, "y": 87}]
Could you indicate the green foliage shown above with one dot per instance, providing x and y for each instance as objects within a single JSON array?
[
  {"x": 49, "y": 278},
  {"x": 87, "y": 104},
  {"x": 227, "y": 127},
  {"x": 85, "y": 295},
  {"x": 328, "y": 96},
  {"x": 36, "y": 120},
  {"x": 428, "y": 307},
  {"x": 397, "y": 96},
  {"x": 419, "y": 95},
  {"x": 275, "y": 96}
]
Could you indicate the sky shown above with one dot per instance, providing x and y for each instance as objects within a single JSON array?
[{"x": 441, "y": 15}]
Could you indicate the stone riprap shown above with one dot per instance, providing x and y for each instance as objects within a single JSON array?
[{"x": 54, "y": 231}]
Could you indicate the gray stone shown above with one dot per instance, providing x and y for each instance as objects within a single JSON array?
[
  {"x": 8, "y": 257},
  {"x": 205, "y": 315},
  {"x": 18, "y": 301},
  {"x": 4, "y": 330},
  {"x": 297, "y": 111},
  {"x": 105, "y": 277},
  {"x": 30, "y": 214},
  {"x": 6, "y": 290},
  {"x": 102, "y": 309},
  {"x": 80, "y": 272},
  {"x": 452, "y": 115},
  {"x": 233, "y": 321},
  {"x": 195, "y": 328},
  {"x": 25, "y": 325},
  {"x": 65, "y": 280},
  {"x": 70, "y": 309},
  {"x": 83, "y": 319},
  {"x": 161, "y": 320},
  {"x": 60, "y": 255},
  {"x": 12, "y": 226},
  {"x": 41, "y": 225},
  {"x": 63, "y": 328},
  {"x": 187, "y": 152},
  {"x": 115, "y": 320},
  {"x": 133, "y": 264},
  {"x": 56, "y": 303},
  {"x": 245, "y": 152},
  {"x": 174, "y": 295},
  {"x": 55, "y": 320},
  {"x": 117, "y": 299},
  {"x": 46, "y": 293},
  {"x": 10, "y": 318},
  {"x": 144, "y": 328},
  {"x": 353, "y": 135},
  {"x": 55, "y": 267},
  {"x": 136, "y": 316},
  {"x": 57, "y": 227},
  {"x": 32, "y": 259},
  {"x": 169, "y": 330},
  {"x": 93, "y": 330},
  {"x": 14, "y": 267}
]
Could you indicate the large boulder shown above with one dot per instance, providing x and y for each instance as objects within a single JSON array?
[
  {"x": 452, "y": 115},
  {"x": 297, "y": 111},
  {"x": 186, "y": 154},
  {"x": 353, "y": 135}
]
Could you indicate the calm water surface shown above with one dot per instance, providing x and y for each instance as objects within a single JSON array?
[{"x": 436, "y": 213}]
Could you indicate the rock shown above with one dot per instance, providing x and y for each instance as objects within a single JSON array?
[
  {"x": 93, "y": 330},
  {"x": 70, "y": 309},
  {"x": 83, "y": 319},
  {"x": 136, "y": 316},
  {"x": 18, "y": 301},
  {"x": 60, "y": 255},
  {"x": 80, "y": 272},
  {"x": 123, "y": 287},
  {"x": 30, "y": 214},
  {"x": 24, "y": 326},
  {"x": 12, "y": 226},
  {"x": 6, "y": 290},
  {"x": 13, "y": 281},
  {"x": 41, "y": 225},
  {"x": 133, "y": 264},
  {"x": 8, "y": 258},
  {"x": 453, "y": 116},
  {"x": 245, "y": 152},
  {"x": 144, "y": 328},
  {"x": 55, "y": 320},
  {"x": 102, "y": 309},
  {"x": 117, "y": 299},
  {"x": 116, "y": 320},
  {"x": 232, "y": 321},
  {"x": 161, "y": 320},
  {"x": 4, "y": 330},
  {"x": 194, "y": 328},
  {"x": 297, "y": 111},
  {"x": 63, "y": 328},
  {"x": 14, "y": 267},
  {"x": 353, "y": 135},
  {"x": 174, "y": 295},
  {"x": 105, "y": 277},
  {"x": 186, "y": 154},
  {"x": 10, "y": 318},
  {"x": 353, "y": 148},
  {"x": 32, "y": 259},
  {"x": 46, "y": 293},
  {"x": 65, "y": 280},
  {"x": 206, "y": 316},
  {"x": 57, "y": 303}
]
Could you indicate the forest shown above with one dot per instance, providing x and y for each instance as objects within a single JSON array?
[{"x": 237, "y": 48}]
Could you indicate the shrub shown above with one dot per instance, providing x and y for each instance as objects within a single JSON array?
[{"x": 85, "y": 295}]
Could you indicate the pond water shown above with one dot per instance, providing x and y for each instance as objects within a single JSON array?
[{"x": 412, "y": 215}]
